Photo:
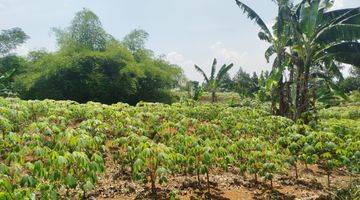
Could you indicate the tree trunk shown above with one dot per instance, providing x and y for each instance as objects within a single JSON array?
[
  {"x": 302, "y": 101},
  {"x": 273, "y": 102},
  {"x": 282, "y": 101},
  {"x": 289, "y": 99},
  {"x": 313, "y": 100},
  {"x": 296, "y": 171},
  {"x": 208, "y": 182},
  {"x": 213, "y": 97},
  {"x": 328, "y": 178},
  {"x": 153, "y": 186},
  {"x": 305, "y": 99}
]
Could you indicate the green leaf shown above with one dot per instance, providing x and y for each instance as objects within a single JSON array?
[
  {"x": 252, "y": 15},
  {"x": 88, "y": 186},
  {"x": 308, "y": 17},
  {"x": 70, "y": 181},
  {"x": 339, "y": 33}
]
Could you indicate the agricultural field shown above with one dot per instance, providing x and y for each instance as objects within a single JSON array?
[{"x": 188, "y": 150}]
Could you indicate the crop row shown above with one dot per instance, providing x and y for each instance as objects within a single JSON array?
[{"x": 53, "y": 149}]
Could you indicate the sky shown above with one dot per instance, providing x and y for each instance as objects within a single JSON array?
[{"x": 185, "y": 32}]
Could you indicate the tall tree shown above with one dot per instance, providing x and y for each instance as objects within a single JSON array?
[
  {"x": 85, "y": 31},
  {"x": 278, "y": 39},
  {"x": 320, "y": 38},
  {"x": 10, "y": 39},
  {"x": 214, "y": 81},
  {"x": 4, "y": 82},
  {"x": 308, "y": 35},
  {"x": 136, "y": 40},
  {"x": 244, "y": 84}
]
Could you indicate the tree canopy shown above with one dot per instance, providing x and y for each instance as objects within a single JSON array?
[{"x": 91, "y": 65}]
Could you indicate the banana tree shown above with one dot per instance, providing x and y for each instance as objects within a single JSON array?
[
  {"x": 320, "y": 35},
  {"x": 316, "y": 35},
  {"x": 214, "y": 81},
  {"x": 278, "y": 39}
]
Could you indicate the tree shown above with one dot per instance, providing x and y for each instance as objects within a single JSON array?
[
  {"x": 278, "y": 40},
  {"x": 255, "y": 83},
  {"x": 322, "y": 36},
  {"x": 307, "y": 36},
  {"x": 136, "y": 40},
  {"x": 85, "y": 31},
  {"x": 352, "y": 82},
  {"x": 91, "y": 65},
  {"x": 213, "y": 82},
  {"x": 227, "y": 84},
  {"x": 10, "y": 66},
  {"x": 194, "y": 90},
  {"x": 10, "y": 39},
  {"x": 4, "y": 79},
  {"x": 244, "y": 84}
]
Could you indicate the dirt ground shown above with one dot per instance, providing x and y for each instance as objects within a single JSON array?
[{"x": 312, "y": 184}]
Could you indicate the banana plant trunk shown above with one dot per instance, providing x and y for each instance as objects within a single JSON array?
[
  {"x": 313, "y": 99},
  {"x": 302, "y": 98},
  {"x": 288, "y": 97},
  {"x": 213, "y": 96},
  {"x": 282, "y": 100},
  {"x": 273, "y": 102}
]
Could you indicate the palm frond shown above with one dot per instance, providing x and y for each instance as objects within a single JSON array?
[
  {"x": 345, "y": 52},
  {"x": 213, "y": 69},
  {"x": 338, "y": 16},
  {"x": 339, "y": 32},
  {"x": 308, "y": 17},
  {"x": 251, "y": 14},
  {"x": 202, "y": 73},
  {"x": 354, "y": 19},
  {"x": 263, "y": 36},
  {"x": 329, "y": 82},
  {"x": 269, "y": 52},
  {"x": 223, "y": 70}
]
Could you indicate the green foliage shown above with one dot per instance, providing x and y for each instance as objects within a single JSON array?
[
  {"x": 10, "y": 39},
  {"x": 56, "y": 149},
  {"x": 309, "y": 41},
  {"x": 194, "y": 90},
  {"x": 244, "y": 84},
  {"x": 85, "y": 32},
  {"x": 135, "y": 40},
  {"x": 214, "y": 81},
  {"x": 92, "y": 66}
]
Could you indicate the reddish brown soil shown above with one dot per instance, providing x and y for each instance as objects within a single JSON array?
[{"x": 224, "y": 185}]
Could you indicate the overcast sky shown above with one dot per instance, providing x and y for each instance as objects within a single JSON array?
[{"x": 185, "y": 31}]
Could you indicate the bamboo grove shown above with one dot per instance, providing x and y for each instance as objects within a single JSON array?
[{"x": 309, "y": 43}]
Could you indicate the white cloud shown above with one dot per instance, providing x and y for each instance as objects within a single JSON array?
[
  {"x": 218, "y": 50},
  {"x": 225, "y": 55},
  {"x": 186, "y": 64}
]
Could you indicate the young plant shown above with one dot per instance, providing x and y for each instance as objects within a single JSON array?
[{"x": 152, "y": 164}]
